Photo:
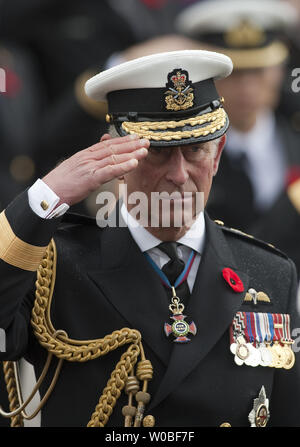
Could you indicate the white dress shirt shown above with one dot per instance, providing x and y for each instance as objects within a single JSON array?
[{"x": 148, "y": 243}]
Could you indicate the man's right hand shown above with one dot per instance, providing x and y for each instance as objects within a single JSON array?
[{"x": 75, "y": 178}]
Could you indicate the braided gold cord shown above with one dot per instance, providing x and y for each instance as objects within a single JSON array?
[
  {"x": 9, "y": 377},
  {"x": 149, "y": 129},
  {"x": 69, "y": 349},
  {"x": 58, "y": 343},
  {"x": 114, "y": 387},
  {"x": 144, "y": 370},
  {"x": 63, "y": 346}
]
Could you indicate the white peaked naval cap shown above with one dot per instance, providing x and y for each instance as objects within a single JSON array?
[{"x": 165, "y": 97}]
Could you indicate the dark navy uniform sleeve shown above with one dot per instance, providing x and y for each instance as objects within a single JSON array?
[{"x": 24, "y": 237}]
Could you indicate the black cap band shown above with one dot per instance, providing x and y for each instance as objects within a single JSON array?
[{"x": 150, "y": 101}]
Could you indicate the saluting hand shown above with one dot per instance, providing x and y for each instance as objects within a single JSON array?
[{"x": 75, "y": 178}]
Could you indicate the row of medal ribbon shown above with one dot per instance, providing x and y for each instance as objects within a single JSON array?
[{"x": 262, "y": 339}]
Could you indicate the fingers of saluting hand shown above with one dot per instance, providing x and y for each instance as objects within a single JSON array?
[
  {"x": 85, "y": 171},
  {"x": 105, "y": 137},
  {"x": 115, "y": 158},
  {"x": 117, "y": 165},
  {"x": 116, "y": 146}
]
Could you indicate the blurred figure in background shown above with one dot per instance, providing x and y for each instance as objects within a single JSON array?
[
  {"x": 19, "y": 117},
  {"x": 19, "y": 114},
  {"x": 254, "y": 190},
  {"x": 290, "y": 102},
  {"x": 69, "y": 41}
]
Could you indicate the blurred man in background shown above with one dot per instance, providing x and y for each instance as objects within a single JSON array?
[
  {"x": 69, "y": 41},
  {"x": 255, "y": 187}
]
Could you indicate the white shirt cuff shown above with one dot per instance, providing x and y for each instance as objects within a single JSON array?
[{"x": 42, "y": 201}]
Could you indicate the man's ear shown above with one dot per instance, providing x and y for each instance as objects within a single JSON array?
[{"x": 219, "y": 151}]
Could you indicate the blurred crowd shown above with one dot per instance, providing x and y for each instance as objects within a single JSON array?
[{"x": 49, "y": 48}]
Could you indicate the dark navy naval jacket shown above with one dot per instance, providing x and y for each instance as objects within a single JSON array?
[{"x": 104, "y": 283}]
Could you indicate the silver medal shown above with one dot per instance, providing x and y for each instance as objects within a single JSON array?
[
  {"x": 240, "y": 349},
  {"x": 265, "y": 355},
  {"x": 254, "y": 357}
]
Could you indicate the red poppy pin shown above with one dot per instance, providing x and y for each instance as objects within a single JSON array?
[{"x": 233, "y": 280}]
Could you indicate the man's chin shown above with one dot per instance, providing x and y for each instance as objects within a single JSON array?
[{"x": 172, "y": 220}]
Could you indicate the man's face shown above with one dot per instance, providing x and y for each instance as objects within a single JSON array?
[
  {"x": 181, "y": 169},
  {"x": 249, "y": 92}
]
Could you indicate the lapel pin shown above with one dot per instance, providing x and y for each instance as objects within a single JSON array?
[
  {"x": 253, "y": 295},
  {"x": 233, "y": 280},
  {"x": 260, "y": 415}
]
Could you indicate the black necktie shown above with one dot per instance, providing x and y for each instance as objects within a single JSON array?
[{"x": 172, "y": 269}]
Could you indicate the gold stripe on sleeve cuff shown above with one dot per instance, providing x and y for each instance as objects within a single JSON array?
[
  {"x": 16, "y": 252},
  {"x": 294, "y": 194}
]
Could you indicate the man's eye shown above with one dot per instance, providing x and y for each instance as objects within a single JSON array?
[
  {"x": 196, "y": 148},
  {"x": 155, "y": 150}
]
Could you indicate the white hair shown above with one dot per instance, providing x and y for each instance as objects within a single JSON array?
[{"x": 113, "y": 131}]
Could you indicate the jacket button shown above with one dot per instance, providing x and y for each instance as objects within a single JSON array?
[{"x": 225, "y": 424}]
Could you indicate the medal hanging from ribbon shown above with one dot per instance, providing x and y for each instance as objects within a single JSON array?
[
  {"x": 278, "y": 335},
  {"x": 265, "y": 355},
  {"x": 287, "y": 342},
  {"x": 262, "y": 339},
  {"x": 179, "y": 328},
  {"x": 240, "y": 345}
]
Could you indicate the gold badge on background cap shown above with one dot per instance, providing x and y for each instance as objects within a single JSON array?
[
  {"x": 179, "y": 95},
  {"x": 245, "y": 35}
]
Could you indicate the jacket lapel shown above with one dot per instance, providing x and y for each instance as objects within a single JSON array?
[
  {"x": 212, "y": 307},
  {"x": 132, "y": 286},
  {"x": 130, "y": 283}
]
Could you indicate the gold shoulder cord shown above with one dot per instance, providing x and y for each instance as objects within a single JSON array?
[{"x": 57, "y": 343}]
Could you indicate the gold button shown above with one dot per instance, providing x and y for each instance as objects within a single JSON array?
[
  {"x": 44, "y": 205},
  {"x": 225, "y": 424},
  {"x": 219, "y": 222},
  {"x": 149, "y": 421},
  {"x": 108, "y": 118}
]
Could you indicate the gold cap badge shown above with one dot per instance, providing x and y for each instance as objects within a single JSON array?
[{"x": 179, "y": 95}]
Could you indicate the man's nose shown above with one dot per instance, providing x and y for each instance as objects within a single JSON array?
[{"x": 177, "y": 168}]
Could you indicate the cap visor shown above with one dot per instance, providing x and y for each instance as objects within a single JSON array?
[{"x": 200, "y": 128}]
